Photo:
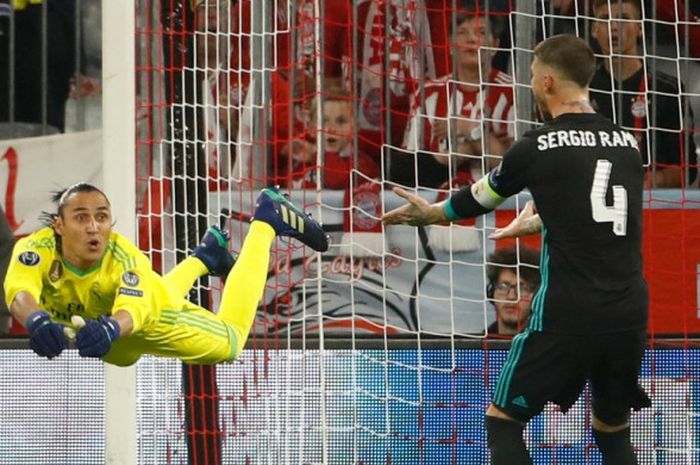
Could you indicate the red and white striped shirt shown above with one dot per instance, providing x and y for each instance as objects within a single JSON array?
[{"x": 492, "y": 102}]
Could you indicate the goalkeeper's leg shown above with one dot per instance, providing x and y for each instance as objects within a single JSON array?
[
  {"x": 211, "y": 256},
  {"x": 181, "y": 278},
  {"x": 274, "y": 216},
  {"x": 245, "y": 283}
]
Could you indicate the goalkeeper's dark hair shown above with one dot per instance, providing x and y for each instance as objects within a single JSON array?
[
  {"x": 523, "y": 261},
  {"x": 571, "y": 56},
  {"x": 60, "y": 198}
]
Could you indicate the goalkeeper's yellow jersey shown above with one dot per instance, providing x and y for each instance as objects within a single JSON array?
[{"x": 164, "y": 323}]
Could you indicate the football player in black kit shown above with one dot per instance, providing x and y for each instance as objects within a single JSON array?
[{"x": 589, "y": 316}]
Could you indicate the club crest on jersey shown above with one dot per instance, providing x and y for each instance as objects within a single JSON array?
[
  {"x": 372, "y": 106},
  {"x": 130, "y": 278},
  {"x": 366, "y": 215},
  {"x": 29, "y": 258},
  {"x": 96, "y": 291},
  {"x": 56, "y": 271},
  {"x": 639, "y": 108}
]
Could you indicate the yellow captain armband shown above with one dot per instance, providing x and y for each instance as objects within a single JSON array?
[{"x": 484, "y": 194}]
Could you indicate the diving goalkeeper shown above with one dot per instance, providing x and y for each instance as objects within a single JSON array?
[{"x": 78, "y": 266}]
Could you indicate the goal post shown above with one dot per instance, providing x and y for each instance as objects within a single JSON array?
[{"x": 119, "y": 182}]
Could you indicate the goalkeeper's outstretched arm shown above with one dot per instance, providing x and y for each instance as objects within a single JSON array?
[{"x": 23, "y": 305}]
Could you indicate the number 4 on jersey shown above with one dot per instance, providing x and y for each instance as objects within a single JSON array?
[{"x": 602, "y": 213}]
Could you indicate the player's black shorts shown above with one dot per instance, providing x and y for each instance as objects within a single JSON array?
[{"x": 544, "y": 367}]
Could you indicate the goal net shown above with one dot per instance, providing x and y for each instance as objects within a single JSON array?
[{"x": 383, "y": 349}]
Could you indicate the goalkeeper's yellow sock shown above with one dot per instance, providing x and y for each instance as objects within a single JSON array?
[
  {"x": 181, "y": 278},
  {"x": 245, "y": 283}
]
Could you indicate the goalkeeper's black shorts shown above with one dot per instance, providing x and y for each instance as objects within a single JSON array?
[{"x": 552, "y": 367}]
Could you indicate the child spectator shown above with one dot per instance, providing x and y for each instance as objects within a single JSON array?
[{"x": 338, "y": 159}]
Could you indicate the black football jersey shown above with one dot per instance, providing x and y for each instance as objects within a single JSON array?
[{"x": 586, "y": 177}]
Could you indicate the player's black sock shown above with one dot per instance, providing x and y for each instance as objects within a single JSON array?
[
  {"x": 505, "y": 439},
  {"x": 616, "y": 447}
]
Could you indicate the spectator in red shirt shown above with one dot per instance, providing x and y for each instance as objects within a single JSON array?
[
  {"x": 339, "y": 158},
  {"x": 477, "y": 101}
]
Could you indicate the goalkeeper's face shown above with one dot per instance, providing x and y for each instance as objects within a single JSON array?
[{"x": 84, "y": 226}]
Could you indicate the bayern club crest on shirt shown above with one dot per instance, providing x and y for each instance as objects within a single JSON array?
[
  {"x": 372, "y": 106},
  {"x": 639, "y": 108},
  {"x": 29, "y": 258},
  {"x": 130, "y": 278},
  {"x": 366, "y": 215}
]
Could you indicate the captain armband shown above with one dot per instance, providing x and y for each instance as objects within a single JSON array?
[
  {"x": 484, "y": 194},
  {"x": 471, "y": 201}
]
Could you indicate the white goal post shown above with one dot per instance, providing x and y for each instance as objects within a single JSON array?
[{"x": 118, "y": 170}]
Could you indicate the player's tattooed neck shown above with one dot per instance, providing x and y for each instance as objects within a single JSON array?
[{"x": 583, "y": 105}]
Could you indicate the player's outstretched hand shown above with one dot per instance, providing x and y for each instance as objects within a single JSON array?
[
  {"x": 96, "y": 337},
  {"x": 417, "y": 212},
  {"x": 526, "y": 223},
  {"x": 45, "y": 337}
]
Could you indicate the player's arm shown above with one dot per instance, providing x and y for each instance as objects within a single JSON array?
[
  {"x": 464, "y": 204},
  {"x": 23, "y": 286},
  {"x": 525, "y": 224},
  {"x": 24, "y": 280},
  {"x": 95, "y": 339},
  {"x": 23, "y": 305},
  {"x": 473, "y": 200},
  {"x": 476, "y": 199},
  {"x": 416, "y": 212},
  {"x": 509, "y": 178},
  {"x": 125, "y": 322}
]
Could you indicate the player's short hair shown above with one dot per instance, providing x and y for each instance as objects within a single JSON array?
[
  {"x": 525, "y": 259},
  {"x": 496, "y": 22},
  {"x": 571, "y": 56},
  {"x": 637, "y": 4}
]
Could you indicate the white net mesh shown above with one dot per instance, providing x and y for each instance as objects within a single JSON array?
[{"x": 231, "y": 106}]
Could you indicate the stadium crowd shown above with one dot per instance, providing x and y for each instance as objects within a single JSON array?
[{"x": 429, "y": 86}]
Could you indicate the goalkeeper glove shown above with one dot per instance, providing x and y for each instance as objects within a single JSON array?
[
  {"x": 96, "y": 337},
  {"x": 46, "y": 338}
]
